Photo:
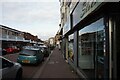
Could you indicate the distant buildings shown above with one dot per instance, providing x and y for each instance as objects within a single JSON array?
[
  {"x": 52, "y": 41},
  {"x": 10, "y": 36}
]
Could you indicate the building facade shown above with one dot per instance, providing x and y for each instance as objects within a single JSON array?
[
  {"x": 52, "y": 41},
  {"x": 9, "y": 34},
  {"x": 90, "y": 38},
  {"x": 58, "y": 39},
  {"x": 30, "y": 38},
  {"x": 12, "y": 37}
]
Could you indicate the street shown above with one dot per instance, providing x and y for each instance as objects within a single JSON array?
[
  {"x": 59, "y": 39},
  {"x": 28, "y": 70},
  {"x": 53, "y": 66}
]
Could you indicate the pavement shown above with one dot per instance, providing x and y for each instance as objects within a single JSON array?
[{"x": 56, "y": 67}]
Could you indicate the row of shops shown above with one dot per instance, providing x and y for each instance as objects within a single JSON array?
[{"x": 91, "y": 38}]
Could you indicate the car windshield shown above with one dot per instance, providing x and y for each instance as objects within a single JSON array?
[{"x": 27, "y": 52}]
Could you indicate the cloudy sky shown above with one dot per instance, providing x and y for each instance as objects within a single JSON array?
[{"x": 38, "y": 17}]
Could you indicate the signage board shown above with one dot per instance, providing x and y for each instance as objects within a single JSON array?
[
  {"x": 66, "y": 27},
  {"x": 83, "y": 9}
]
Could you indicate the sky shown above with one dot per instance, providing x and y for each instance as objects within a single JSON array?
[{"x": 38, "y": 17}]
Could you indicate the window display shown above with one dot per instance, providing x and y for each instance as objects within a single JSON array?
[
  {"x": 92, "y": 47},
  {"x": 70, "y": 48}
]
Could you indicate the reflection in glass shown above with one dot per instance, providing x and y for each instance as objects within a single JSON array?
[
  {"x": 70, "y": 48},
  {"x": 91, "y": 49}
]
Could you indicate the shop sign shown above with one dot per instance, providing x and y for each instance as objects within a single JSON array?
[
  {"x": 83, "y": 9},
  {"x": 88, "y": 7},
  {"x": 66, "y": 27}
]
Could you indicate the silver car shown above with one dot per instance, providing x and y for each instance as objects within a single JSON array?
[{"x": 10, "y": 70}]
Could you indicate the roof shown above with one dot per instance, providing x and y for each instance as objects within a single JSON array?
[{"x": 11, "y": 29}]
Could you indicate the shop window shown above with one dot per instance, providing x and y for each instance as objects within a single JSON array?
[
  {"x": 92, "y": 49},
  {"x": 86, "y": 47},
  {"x": 70, "y": 48}
]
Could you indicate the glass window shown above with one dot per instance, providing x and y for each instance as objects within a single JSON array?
[
  {"x": 28, "y": 52},
  {"x": 70, "y": 48},
  {"x": 86, "y": 48},
  {"x": 91, "y": 48},
  {"x": 6, "y": 63}
]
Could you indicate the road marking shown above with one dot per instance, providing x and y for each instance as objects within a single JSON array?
[
  {"x": 52, "y": 62},
  {"x": 57, "y": 62}
]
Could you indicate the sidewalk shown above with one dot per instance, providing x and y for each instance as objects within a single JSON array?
[{"x": 56, "y": 67}]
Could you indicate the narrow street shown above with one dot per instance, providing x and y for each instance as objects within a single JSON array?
[
  {"x": 56, "y": 67},
  {"x": 28, "y": 70},
  {"x": 52, "y": 67},
  {"x": 59, "y": 39}
]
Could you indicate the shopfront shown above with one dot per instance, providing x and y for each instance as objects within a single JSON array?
[
  {"x": 94, "y": 50},
  {"x": 97, "y": 41},
  {"x": 92, "y": 54},
  {"x": 70, "y": 47}
]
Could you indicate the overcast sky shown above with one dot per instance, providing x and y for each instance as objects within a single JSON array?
[{"x": 38, "y": 17}]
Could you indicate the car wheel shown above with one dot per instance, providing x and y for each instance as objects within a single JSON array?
[{"x": 19, "y": 75}]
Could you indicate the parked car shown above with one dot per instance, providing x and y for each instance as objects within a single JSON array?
[
  {"x": 9, "y": 50},
  {"x": 30, "y": 56},
  {"x": 12, "y": 49},
  {"x": 16, "y": 48},
  {"x": 10, "y": 70},
  {"x": 44, "y": 50}
]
